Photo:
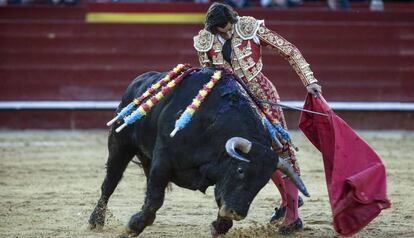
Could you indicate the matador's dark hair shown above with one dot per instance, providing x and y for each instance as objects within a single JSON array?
[{"x": 218, "y": 15}]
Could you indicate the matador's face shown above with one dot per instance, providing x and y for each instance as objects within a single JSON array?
[{"x": 226, "y": 32}]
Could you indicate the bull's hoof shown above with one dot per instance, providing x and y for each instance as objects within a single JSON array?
[
  {"x": 291, "y": 228},
  {"x": 138, "y": 222},
  {"x": 280, "y": 212},
  {"x": 96, "y": 221},
  {"x": 130, "y": 233},
  {"x": 126, "y": 236}
]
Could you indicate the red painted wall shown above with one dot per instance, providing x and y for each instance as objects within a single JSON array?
[{"x": 50, "y": 53}]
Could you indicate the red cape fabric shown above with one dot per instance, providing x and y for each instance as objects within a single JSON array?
[{"x": 355, "y": 175}]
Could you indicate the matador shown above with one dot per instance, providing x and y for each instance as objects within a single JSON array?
[{"x": 235, "y": 43}]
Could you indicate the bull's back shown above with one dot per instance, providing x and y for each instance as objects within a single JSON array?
[
  {"x": 139, "y": 85},
  {"x": 158, "y": 123}
]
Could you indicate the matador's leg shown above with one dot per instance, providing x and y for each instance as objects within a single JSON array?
[{"x": 265, "y": 90}]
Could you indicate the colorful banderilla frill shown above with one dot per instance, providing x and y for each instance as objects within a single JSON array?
[
  {"x": 171, "y": 79},
  {"x": 137, "y": 101},
  {"x": 275, "y": 130},
  {"x": 192, "y": 108},
  {"x": 272, "y": 131}
]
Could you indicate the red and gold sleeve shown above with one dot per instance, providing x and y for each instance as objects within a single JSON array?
[{"x": 289, "y": 51}]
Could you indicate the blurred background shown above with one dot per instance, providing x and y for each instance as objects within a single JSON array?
[{"x": 64, "y": 64}]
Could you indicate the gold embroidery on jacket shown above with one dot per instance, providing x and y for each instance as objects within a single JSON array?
[
  {"x": 257, "y": 89},
  {"x": 247, "y": 27},
  {"x": 255, "y": 70},
  {"x": 217, "y": 46},
  {"x": 236, "y": 41},
  {"x": 218, "y": 57},
  {"x": 243, "y": 65},
  {"x": 246, "y": 51},
  {"x": 203, "y": 41},
  {"x": 252, "y": 70},
  {"x": 203, "y": 58},
  {"x": 236, "y": 66}
]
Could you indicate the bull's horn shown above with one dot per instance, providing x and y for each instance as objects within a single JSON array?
[
  {"x": 287, "y": 169},
  {"x": 238, "y": 143}
]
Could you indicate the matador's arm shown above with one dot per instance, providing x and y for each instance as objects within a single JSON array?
[{"x": 289, "y": 51}]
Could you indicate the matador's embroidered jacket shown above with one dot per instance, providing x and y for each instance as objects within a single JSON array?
[{"x": 246, "y": 61}]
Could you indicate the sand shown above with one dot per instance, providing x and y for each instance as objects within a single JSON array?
[{"x": 50, "y": 182}]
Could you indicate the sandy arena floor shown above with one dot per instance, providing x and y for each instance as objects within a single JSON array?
[{"x": 50, "y": 182}]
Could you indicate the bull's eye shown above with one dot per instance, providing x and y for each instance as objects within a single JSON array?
[{"x": 240, "y": 170}]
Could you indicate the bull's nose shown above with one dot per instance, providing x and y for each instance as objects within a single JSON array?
[{"x": 229, "y": 213}]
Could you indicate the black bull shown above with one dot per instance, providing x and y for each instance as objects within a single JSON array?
[{"x": 210, "y": 150}]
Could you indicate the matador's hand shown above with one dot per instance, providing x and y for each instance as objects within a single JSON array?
[{"x": 314, "y": 89}]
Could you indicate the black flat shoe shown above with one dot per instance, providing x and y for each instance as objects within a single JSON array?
[
  {"x": 300, "y": 201},
  {"x": 280, "y": 212},
  {"x": 291, "y": 228}
]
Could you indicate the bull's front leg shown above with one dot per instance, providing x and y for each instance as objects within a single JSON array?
[{"x": 159, "y": 177}]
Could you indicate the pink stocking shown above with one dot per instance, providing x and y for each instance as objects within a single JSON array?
[
  {"x": 292, "y": 213},
  {"x": 280, "y": 184}
]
